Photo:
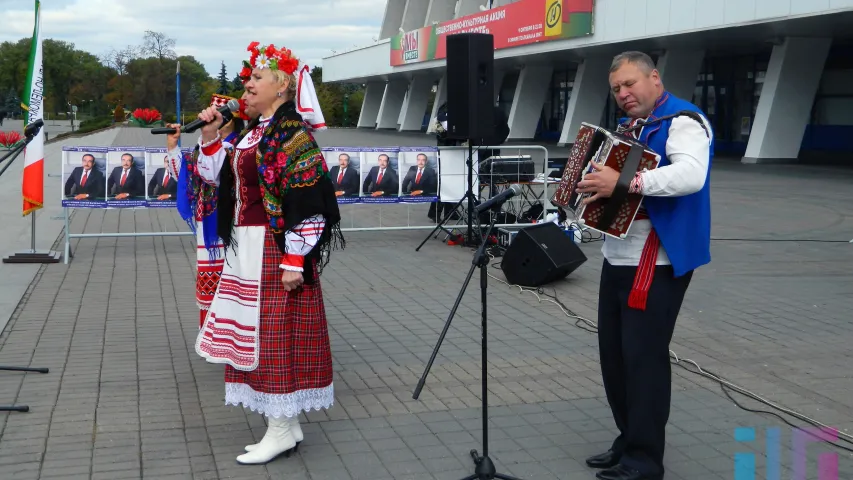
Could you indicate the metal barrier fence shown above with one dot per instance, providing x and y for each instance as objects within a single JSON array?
[{"x": 497, "y": 176}]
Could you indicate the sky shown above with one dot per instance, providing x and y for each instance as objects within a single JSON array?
[{"x": 210, "y": 30}]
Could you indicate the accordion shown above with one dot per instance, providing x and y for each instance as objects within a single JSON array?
[{"x": 611, "y": 216}]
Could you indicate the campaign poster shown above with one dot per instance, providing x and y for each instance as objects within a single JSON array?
[
  {"x": 161, "y": 185},
  {"x": 344, "y": 165},
  {"x": 419, "y": 174},
  {"x": 126, "y": 177},
  {"x": 84, "y": 177},
  {"x": 380, "y": 178}
]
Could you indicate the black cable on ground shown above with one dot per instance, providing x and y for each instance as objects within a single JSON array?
[{"x": 725, "y": 386}]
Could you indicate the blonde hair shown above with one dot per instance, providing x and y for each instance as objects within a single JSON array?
[{"x": 281, "y": 77}]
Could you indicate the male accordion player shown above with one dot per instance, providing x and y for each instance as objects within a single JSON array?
[{"x": 647, "y": 270}]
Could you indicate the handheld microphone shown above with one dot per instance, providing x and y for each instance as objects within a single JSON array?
[
  {"x": 231, "y": 106},
  {"x": 499, "y": 199}
]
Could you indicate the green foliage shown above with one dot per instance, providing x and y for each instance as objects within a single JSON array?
[
  {"x": 224, "y": 84},
  {"x": 333, "y": 97},
  {"x": 12, "y": 104},
  {"x": 95, "y": 123},
  {"x": 142, "y": 75},
  {"x": 134, "y": 76}
]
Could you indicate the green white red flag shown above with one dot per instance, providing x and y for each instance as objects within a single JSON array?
[{"x": 33, "y": 103}]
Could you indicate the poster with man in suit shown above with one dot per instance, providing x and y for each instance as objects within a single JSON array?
[
  {"x": 420, "y": 183},
  {"x": 84, "y": 178},
  {"x": 126, "y": 182},
  {"x": 381, "y": 182},
  {"x": 162, "y": 185},
  {"x": 344, "y": 171}
]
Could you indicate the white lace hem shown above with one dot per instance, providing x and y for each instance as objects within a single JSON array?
[{"x": 278, "y": 405}]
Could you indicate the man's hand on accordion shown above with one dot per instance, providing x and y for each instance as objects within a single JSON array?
[{"x": 600, "y": 183}]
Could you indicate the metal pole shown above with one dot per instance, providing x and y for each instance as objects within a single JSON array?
[
  {"x": 33, "y": 239},
  {"x": 67, "y": 238},
  {"x": 178, "y": 98}
]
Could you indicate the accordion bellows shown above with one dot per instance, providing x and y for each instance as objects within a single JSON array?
[{"x": 611, "y": 216}]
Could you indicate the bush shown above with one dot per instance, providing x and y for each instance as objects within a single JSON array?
[{"x": 95, "y": 123}]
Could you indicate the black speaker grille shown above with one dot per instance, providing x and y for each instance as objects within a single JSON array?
[
  {"x": 540, "y": 254},
  {"x": 470, "y": 86}
]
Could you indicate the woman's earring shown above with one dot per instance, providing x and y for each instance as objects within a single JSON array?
[{"x": 278, "y": 94}]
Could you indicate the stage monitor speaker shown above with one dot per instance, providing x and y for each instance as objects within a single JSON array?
[
  {"x": 470, "y": 87},
  {"x": 540, "y": 254}
]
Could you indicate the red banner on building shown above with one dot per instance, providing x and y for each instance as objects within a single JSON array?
[{"x": 520, "y": 23}]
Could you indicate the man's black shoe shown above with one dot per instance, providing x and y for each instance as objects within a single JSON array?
[
  {"x": 603, "y": 460},
  {"x": 621, "y": 472}
]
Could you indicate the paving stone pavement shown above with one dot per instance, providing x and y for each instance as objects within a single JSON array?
[{"x": 127, "y": 397}]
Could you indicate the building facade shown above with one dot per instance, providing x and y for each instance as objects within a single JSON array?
[{"x": 774, "y": 76}]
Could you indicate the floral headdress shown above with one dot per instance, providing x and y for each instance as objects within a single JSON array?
[
  {"x": 268, "y": 56},
  {"x": 307, "y": 103}
]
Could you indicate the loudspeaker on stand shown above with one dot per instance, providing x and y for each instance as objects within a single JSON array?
[{"x": 470, "y": 87}]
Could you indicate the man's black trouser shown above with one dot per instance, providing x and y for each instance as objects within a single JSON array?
[{"x": 634, "y": 350}]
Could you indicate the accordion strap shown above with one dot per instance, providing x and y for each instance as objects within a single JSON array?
[
  {"x": 620, "y": 191},
  {"x": 685, "y": 113}
]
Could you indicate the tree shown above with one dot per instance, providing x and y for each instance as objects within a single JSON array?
[
  {"x": 118, "y": 60},
  {"x": 158, "y": 45},
  {"x": 12, "y": 103},
  {"x": 224, "y": 84},
  {"x": 237, "y": 84},
  {"x": 194, "y": 101}
]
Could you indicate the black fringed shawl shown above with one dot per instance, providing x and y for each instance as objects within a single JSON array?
[{"x": 295, "y": 186}]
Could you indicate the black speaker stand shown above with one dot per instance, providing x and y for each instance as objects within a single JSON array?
[
  {"x": 484, "y": 469},
  {"x": 470, "y": 240}
]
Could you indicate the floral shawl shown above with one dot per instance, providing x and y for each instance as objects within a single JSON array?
[{"x": 295, "y": 186}]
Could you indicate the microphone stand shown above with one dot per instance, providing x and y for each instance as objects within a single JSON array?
[
  {"x": 484, "y": 467},
  {"x": 14, "y": 153}
]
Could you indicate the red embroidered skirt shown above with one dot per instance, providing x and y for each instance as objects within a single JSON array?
[
  {"x": 208, "y": 273},
  {"x": 295, "y": 369}
]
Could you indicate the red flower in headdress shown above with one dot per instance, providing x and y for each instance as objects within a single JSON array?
[{"x": 269, "y": 56}]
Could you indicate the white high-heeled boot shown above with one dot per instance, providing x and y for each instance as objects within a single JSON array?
[
  {"x": 295, "y": 429},
  {"x": 278, "y": 439}
]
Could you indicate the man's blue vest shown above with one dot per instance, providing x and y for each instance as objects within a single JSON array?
[{"x": 682, "y": 223}]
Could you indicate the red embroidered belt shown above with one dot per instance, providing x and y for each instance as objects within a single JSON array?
[{"x": 646, "y": 269}]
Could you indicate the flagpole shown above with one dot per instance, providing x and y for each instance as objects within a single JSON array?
[
  {"x": 32, "y": 186},
  {"x": 178, "y": 98}
]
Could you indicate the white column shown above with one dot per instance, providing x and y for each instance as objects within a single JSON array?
[
  {"x": 440, "y": 97},
  {"x": 392, "y": 102},
  {"x": 679, "y": 70},
  {"x": 416, "y": 103},
  {"x": 393, "y": 18},
  {"x": 498, "y": 81},
  {"x": 588, "y": 99},
  {"x": 533, "y": 83},
  {"x": 467, "y": 7},
  {"x": 415, "y": 14},
  {"x": 439, "y": 11},
  {"x": 370, "y": 107},
  {"x": 791, "y": 82},
  {"x": 404, "y": 105}
]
